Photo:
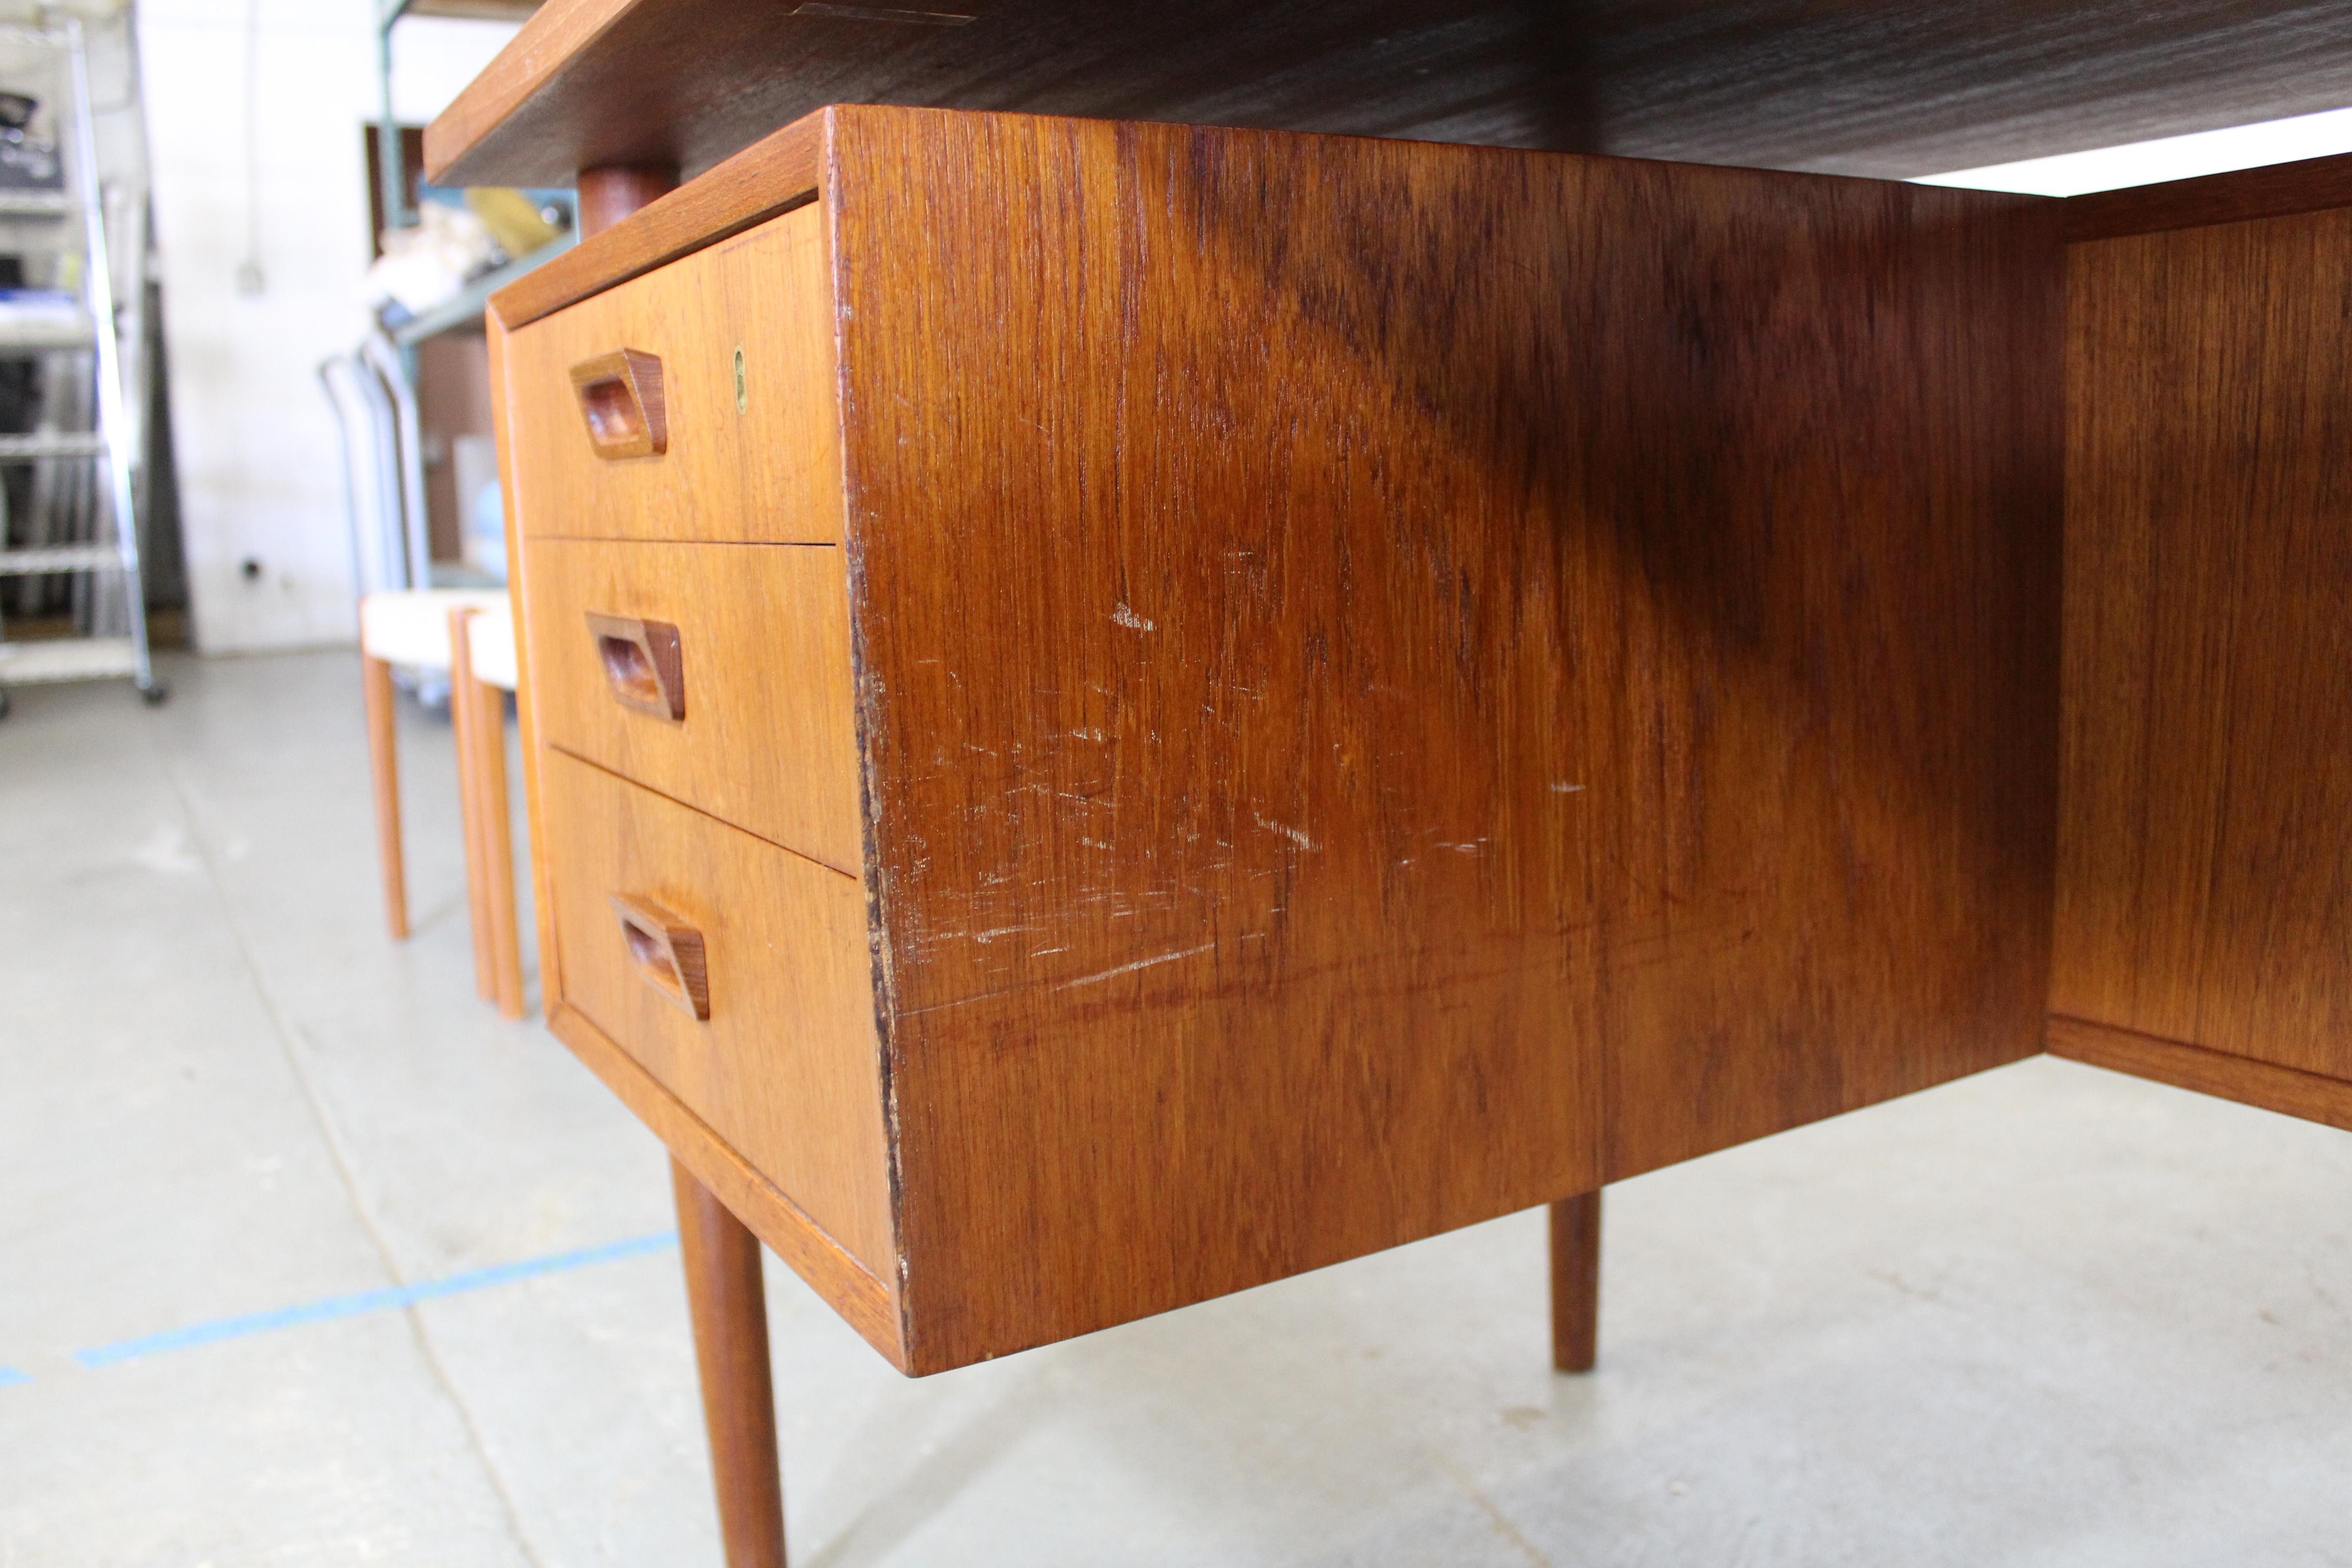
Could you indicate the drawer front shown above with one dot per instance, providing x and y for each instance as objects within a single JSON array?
[
  {"x": 718, "y": 674},
  {"x": 785, "y": 1067},
  {"x": 592, "y": 390}
]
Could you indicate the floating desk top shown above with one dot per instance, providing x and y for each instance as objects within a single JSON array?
[{"x": 1886, "y": 88}]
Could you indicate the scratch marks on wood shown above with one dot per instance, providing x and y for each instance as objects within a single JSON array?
[
  {"x": 1131, "y": 968},
  {"x": 1293, "y": 833},
  {"x": 1127, "y": 617}
]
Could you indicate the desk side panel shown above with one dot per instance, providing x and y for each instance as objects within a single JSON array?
[
  {"x": 2205, "y": 873},
  {"x": 1401, "y": 682}
]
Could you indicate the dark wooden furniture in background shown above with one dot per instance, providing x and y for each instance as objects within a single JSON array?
[{"x": 1544, "y": 666}]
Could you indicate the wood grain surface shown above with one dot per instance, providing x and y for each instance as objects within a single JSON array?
[
  {"x": 786, "y": 1069},
  {"x": 866, "y": 1301},
  {"x": 723, "y": 1203},
  {"x": 2285, "y": 1089},
  {"x": 613, "y": 192},
  {"x": 769, "y": 741},
  {"x": 465, "y": 724},
  {"x": 1575, "y": 1258},
  {"x": 2275, "y": 190},
  {"x": 1399, "y": 682},
  {"x": 473, "y": 10},
  {"x": 500, "y": 100},
  {"x": 1860, "y": 86},
  {"x": 728, "y": 1299},
  {"x": 765, "y": 180},
  {"x": 622, "y": 403},
  {"x": 478, "y": 712},
  {"x": 383, "y": 780},
  {"x": 765, "y": 466},
  {"x": 551, "y": 977},
  {"x": 2205, "y": 876}
]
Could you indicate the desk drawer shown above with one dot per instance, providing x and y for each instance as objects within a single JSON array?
[
  {"x": 785, "y": 1067},
  {"x": 718, "y": 674},
  {"x": 629, "y": 420}
]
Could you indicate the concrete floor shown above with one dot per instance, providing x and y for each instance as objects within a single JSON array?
[{"x": 2044, "y": 1316}]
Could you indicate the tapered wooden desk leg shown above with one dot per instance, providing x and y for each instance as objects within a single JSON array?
[
  {"x": 1576, "y": 1281},
  {"x": 376, "y": 680},
  {"x": 730, "y": 1347}
]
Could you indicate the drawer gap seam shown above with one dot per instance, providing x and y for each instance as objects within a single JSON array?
[
  {"x": 732, "y": 827},
  {"x": 667, "y": 542}
]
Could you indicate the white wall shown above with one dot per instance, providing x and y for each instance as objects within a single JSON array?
[
  {"x": 2167, "y": 158},
  {"x": 260, "y": 477}
]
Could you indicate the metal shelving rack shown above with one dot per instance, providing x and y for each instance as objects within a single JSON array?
[
  {"x": 392, "y": 163},
  {"x": 373, "y": 387},
  {"x": 98, "y": 328}
]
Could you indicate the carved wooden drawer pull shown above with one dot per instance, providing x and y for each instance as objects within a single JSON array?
[
  {"x": 621, "y": 397},
  {"x": 667, "y": 952},
  {"x": 644, "y": 662}
]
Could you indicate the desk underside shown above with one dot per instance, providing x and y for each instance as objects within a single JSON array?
[{"x": 1886, "y": 88}]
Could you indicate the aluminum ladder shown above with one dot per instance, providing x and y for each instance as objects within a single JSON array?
[{"x": 114, "y": 551}]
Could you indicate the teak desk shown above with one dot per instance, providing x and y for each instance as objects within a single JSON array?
[{"x": 1115, "y": 711}]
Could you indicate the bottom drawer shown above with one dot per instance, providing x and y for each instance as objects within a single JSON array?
[{"x": 662, "y": 913}]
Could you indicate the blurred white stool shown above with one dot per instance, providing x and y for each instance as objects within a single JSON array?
[{"x": 430, "y": 629}]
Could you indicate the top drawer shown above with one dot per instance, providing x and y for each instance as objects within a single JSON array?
[{"x": 729, "y": 371}]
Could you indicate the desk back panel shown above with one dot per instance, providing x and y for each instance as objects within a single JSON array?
[
  {"x": 2204, "y": 913},
  {"x": 1400, "y": 682}
]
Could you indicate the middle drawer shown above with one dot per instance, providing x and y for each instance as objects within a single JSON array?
[{"x": 716, "y": 674}]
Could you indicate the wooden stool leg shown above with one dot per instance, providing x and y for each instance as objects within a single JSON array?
[
  {"x": 1576, "y": 1281},
  {"x": 376, "y": 680},
  {"x": 730, "y": 1346},
  {"x": 462, "y": 725},
  {"x": 497, "y": 838}
]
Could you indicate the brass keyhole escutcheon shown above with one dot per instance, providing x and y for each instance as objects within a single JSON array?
[{"x": 742, "y": 386}]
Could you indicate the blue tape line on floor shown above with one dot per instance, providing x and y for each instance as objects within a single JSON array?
[
  {"x": 366, "y": 1301},
  {"x": 10, "y": 1377}
]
